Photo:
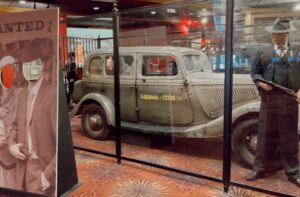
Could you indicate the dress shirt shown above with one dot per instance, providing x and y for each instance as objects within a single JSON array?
[
  {"x": 33, "y": 90},
  {"x": 281, "y": 51}
]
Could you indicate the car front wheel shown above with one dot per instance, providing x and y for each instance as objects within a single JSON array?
[{"x": 94, "y": 122}]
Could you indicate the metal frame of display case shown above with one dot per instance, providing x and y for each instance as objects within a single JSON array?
[{"x": 226, "y": 179}]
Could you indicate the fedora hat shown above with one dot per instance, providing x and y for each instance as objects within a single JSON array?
[{"x": 281, "y": 26}]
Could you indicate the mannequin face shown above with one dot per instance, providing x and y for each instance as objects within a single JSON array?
[
  {"x": 32, "y": 71},
  {"x": 280, "y": 39}
]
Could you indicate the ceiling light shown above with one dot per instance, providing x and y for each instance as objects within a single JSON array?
[
  {"x": 297, "y": 7},
  {"x": 96, "y": 8},
  {"x": 171, "y": 10},
  {"x": 204, "y": 20},
  {"x": 153, "y": 12},
  {"x": 22, "y": 2}
]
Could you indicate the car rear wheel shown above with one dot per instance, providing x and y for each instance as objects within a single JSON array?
[{"x": 94, "y": 122}]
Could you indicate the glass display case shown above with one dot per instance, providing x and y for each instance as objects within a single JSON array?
[
  {"x": 172, "y": 91},
  {"x": 83, "y": 47},
  {"x": 172, "y": 110},
  {"x": 271, "y": 135}
]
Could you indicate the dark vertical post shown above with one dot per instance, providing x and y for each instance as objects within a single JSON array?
[
  {"x": 203, "y": 40},
  {"x": 228, "y": 94},
  {"x": 69, "y": 44},
  {"x": 90, "y": 45},
  {"x": 74, "y": 45},
  {"x": 99, "y": 42},
  {"x": 117, "y": 82},
  {"x": 145, "y": 38}
]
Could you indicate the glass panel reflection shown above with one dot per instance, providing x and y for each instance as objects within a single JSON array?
[
  {"x": 89, "y": 52},
  {"x": 176, "y": 95},
  {"x": 267, "y": 49}
]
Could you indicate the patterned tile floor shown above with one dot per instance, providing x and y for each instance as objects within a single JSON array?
[{"x": 100, "y": 176}]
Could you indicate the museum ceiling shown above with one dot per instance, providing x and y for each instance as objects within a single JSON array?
[{"x": 251, "y": 16}]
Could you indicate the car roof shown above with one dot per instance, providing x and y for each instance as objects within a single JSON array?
[{"x": 148, "y": 49}]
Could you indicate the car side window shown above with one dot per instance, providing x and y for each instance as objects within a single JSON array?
[
  {"x": 159, "y": 66},
  {"x": 95, "y": 67},
  {"x": 126, "y": 65}
]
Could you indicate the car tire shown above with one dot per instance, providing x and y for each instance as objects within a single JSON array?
[
  {"x": 94, "y": 122},
  {"x": 242, "y": 137}
]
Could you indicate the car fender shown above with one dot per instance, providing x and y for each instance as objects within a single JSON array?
[
  {"x": 100, "y": 99},
  {"x": 215, "y": 127},
  {"x": 250, "y": 108}
]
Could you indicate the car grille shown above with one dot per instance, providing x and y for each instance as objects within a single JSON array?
[{"x": 212, "y": 97}]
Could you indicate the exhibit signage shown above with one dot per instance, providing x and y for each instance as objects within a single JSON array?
[{"x": 29, "y": 101}]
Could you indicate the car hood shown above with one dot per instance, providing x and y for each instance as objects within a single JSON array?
[{"x": 209, "y": 88}]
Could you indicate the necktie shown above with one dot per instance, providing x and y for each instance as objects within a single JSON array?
[
  {"x": 281, "y": 51},
  {"x": 29, "y": 107}
]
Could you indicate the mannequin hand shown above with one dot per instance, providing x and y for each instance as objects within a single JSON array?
[
  {"x": 3, "y": 111},
  {"x": 298, "y": 96},
  {"x": 264, "y": 86},
  {"x": 15, "y": 151},
  {"x": 44, "y": 182}
]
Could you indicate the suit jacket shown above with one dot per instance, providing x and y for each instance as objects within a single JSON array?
[
  {"x": 43, "y": 129},
  {"x": 264, "y": 57}
]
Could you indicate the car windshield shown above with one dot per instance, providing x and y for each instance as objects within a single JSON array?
[{"x": 195, "y": 62}]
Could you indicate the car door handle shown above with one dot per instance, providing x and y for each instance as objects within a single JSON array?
[{"x": 144, "y": 80}]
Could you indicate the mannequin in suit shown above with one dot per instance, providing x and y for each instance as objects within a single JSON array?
[{"x": 278, "y": 118}]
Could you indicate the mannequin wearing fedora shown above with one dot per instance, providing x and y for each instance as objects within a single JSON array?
[{"x": 277, "y": 138}]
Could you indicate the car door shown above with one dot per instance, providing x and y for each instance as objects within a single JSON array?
[
  {"x": 161, "y": 95},
  {"x": 127, "y": 85}
]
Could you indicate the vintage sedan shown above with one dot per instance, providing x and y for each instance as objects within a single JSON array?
[{"x": 167, "y": 91}]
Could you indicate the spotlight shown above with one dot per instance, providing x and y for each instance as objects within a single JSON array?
[
  {"x": 96, "y": 8},
  {"x": 297, "y": 7},
  {"x": 22, "y": 2}
]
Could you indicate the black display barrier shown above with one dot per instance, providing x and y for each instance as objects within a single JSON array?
[{"x": 66, "y": 165}]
